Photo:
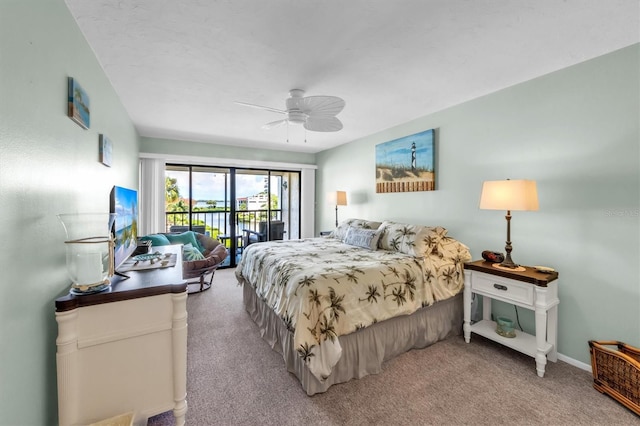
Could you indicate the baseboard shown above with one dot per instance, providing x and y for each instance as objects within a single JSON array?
[{"x": 581, "y": 365}]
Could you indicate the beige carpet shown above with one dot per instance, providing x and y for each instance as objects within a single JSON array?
[{"x": 234, "y": 378}]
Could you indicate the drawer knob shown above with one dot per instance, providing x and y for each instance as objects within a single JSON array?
[{"x": 500, "y": 287}]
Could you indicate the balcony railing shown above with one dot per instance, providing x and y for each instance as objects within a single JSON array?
[{"x": 216, "y": 222}]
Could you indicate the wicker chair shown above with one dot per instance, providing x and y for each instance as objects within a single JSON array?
[{"x": 214, "y": 254}]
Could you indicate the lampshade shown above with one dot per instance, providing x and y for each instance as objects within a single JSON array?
[
  {"x": 340, "y": 198},
  {"x": 509, "y": 195}
]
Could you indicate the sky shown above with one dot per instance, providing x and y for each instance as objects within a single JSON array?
[
  {"x": 124, "y": 200},
  {"x": 398, "y": 151},
  {"x": 210, "y": 186}
]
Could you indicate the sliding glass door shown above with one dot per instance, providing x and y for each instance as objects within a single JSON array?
[{"x": 236, "y": 206}]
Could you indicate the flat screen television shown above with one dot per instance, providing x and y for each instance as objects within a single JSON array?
[{"x": 124, "y": 203}]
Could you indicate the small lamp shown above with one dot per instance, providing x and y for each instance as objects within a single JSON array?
[
  {"x": 509, "y": 195},
  {"x": 341, "y": 200}
]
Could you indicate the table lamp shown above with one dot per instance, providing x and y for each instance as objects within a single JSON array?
[
  {"x": 341, "y": 200},
  {"x": 509, "y": 195}
]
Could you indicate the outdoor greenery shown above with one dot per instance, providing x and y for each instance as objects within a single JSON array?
[{"x": 176, "y": 203}]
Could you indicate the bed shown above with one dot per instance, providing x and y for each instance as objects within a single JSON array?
[{"x": 337, "y": 307}]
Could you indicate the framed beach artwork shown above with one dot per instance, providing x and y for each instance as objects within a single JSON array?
[
  {"x": 78, "y": 108},
  {"x": 406, "y": 164},
  {"x": 105, "y": 150}
]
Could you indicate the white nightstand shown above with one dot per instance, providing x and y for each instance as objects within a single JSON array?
[{"x": 528, "y": 289}]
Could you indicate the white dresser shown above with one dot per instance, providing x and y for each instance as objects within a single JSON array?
[{"x": 124, "y": 350}]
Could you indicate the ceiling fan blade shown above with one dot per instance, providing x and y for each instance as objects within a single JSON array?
[
  {"x": 262, "y": 107},
  {"x": 323, "y": 124},
  {"x": 322, "y": 106},
  {"x": 274, "y": 124}
]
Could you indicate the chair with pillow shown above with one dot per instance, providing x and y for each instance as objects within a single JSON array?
[{"x": 201, "y": 255}]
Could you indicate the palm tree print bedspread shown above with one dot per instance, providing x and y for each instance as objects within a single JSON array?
[{"x": 322, "y": 288}]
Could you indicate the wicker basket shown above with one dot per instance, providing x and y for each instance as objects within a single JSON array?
[{"x": 617, "y": 372}]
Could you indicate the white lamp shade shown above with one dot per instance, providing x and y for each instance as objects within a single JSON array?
[
  {"x": 509, "y": 195},
  {"x": 338, "y": 198}
]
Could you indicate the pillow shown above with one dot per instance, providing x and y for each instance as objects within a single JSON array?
[
  {"x": 185, "y": 238},
  {"x": 191, "y": 253},
  {"x": 360, "y": 237},
  {"x": 449, "y": 248},
  {"x": 156, "y": 239},
  {"x": 341, "y": 230},
  {"x": 415, "y": 240}
]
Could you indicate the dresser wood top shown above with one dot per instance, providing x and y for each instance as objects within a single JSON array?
[
  {"x": 152, "y": 282},
  {"x": 529, "y": 275}
]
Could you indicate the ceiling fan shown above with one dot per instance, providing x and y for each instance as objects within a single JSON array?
[{"x": 315, "y": 113}]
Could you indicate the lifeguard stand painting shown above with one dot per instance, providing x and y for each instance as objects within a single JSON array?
[{"x": 406, "y": 164}]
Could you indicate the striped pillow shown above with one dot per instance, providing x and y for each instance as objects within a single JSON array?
[{"x": 360, "y": 237}]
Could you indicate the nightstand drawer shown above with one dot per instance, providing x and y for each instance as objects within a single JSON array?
[{"x": 503, "y": 289}]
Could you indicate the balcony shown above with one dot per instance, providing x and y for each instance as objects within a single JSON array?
[{"x": 218, "y": 225}]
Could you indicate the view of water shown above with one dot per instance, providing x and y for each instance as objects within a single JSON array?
[{"x": 219, "y": 203}]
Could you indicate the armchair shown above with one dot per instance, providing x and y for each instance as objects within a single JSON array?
[
  {"x": 276, "y": 233},
  {"x": 201, "y": 255},
  {"x": 214, "y": 254}
]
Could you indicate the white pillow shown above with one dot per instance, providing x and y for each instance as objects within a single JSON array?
[{"x": 361, "y": 237}]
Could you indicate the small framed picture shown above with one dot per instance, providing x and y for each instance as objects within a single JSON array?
[
  {"x": 105, "y": 150},
  {"x": 78, "y": 105}
]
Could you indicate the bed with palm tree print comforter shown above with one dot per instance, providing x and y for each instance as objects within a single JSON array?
[{"x": 322, "y": 288}]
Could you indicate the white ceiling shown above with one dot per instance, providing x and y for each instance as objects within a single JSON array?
[{"x": 179, "y": 65}]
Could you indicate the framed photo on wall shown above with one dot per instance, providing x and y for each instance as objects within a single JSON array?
[
  {"x": 78, "y": 105},
  {"x": 105, "y": 150},
  {"x": 406, "y": 164}
]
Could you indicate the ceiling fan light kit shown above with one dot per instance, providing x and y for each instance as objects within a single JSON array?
[{"x": 314, "y": 113}]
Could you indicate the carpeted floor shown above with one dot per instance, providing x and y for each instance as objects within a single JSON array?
[{"x": 234, "y": 378}]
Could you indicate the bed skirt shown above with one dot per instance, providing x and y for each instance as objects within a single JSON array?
[{"x": 363, "y": 351}]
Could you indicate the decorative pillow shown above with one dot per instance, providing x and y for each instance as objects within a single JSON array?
[
  {"x": 415, "y": 240},
  {"x": 341, "y": 230},
  {"x": 360, "y": 237},
  {"x": 156, "y": 239},
  {"x": 191, "y": 253},
  {"x": 449, "y": 248},
  {"x": 185, "y": 238}
]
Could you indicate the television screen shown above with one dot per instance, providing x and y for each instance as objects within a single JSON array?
[{"x": 124, "y": 203}]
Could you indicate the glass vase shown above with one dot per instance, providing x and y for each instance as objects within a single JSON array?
[{"x": 89, "y": 247}]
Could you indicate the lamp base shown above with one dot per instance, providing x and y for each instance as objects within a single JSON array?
[{"x": 508, "y": 268}]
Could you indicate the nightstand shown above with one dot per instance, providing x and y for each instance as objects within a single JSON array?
[{"x": 529, "y": 289}]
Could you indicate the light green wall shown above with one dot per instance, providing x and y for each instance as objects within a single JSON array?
[
  {"x": 198, "y": 149},
  {"x": 575, "y": 132},
  {"x": 48, "y": 165}
]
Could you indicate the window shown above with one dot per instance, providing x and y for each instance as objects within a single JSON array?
[{"x": 222, "y": 202}]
